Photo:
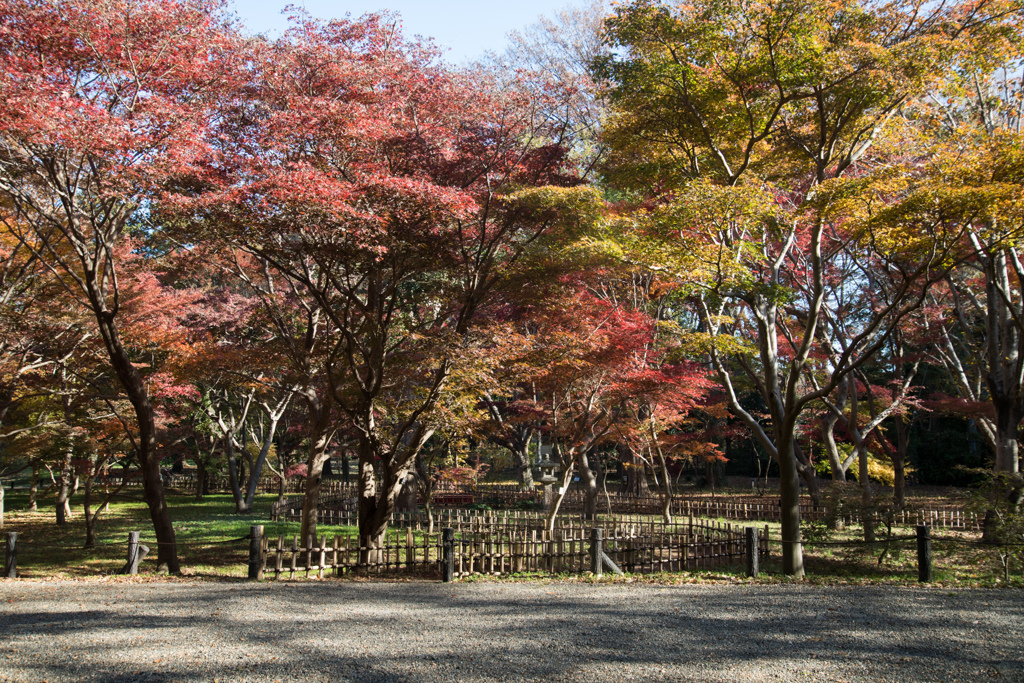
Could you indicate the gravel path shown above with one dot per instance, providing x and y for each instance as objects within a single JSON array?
[{"x": 340, "y": 631}]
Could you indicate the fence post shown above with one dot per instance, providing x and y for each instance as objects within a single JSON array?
[
  {"x": 448, "y": 555},
  {"x": 255, "y": 549},
  {"x": 11, "y": 556},
  {"x": 133, "y": 553},
  {"x": 752, "y": 551},
  {"x": 924, "y": 553},
  {"x": 596, "y": 551}
]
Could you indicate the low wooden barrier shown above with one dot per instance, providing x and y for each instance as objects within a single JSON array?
[
  {"x": 495, "y": 546},
  {"x": 406, "y": 552}
]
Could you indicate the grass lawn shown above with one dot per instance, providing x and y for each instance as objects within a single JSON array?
[
  {"x": 204, "y": 531},
  {"x": 841, "y": 556},
  {"x": 208, "y": 534}
]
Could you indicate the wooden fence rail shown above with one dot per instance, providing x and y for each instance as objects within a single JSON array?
[
  {"x": 489, "y": 546},
  {"x": 949, "y": 518},
  {"x": 341, "y": 511},
  {"x": 406, "y": 553}
]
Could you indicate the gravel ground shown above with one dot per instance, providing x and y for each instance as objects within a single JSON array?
[{"x": 341, "y": 631}]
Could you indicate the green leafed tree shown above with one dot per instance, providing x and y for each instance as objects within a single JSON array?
[{"x": 747, "y": 122}]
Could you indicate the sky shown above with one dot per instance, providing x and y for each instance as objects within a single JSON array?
[{"x": 467, "y": 27}]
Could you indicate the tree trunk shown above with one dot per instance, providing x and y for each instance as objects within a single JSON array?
[
  {"x": 666, "y": 488},
  {"x": 63, "y": 508},
  {"x": 430, "y": 517},
  {"x": 202, "y": 478},
  {"x": 314, "y": 469},
  {"x": 149, "y": 459},
  {"x": 635, "y": 484},
  {"x": 563, "y": 488},
  {"x": 789, "y": 481},
  {"x": 899, "y": 460},
  {"x": 319, "y": 425},
  {"x": 367, "y": 481},
  {"x": 1007, "y": 459},
  {"x": 33, "y": 488},
  {"x": 426, "y": 485},
  {"x": 234, "y": 477},
  {"x": 1007, "y": 433},
  {"x": 521, "y": 454},
  {"x": 835, "y": 458},
  {"x": 589, "y": 481},
  {"x": 866, "y": 498},
  {"x": 90, "y": 517},
  {"x": 257, "y": 468},
  {"x": 376, "y": 505},
  {"x": 408, "y": 497},
  {"x": 806, "y": 470}
]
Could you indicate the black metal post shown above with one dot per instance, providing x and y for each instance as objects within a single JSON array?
[
  {"x": 11, "y": 556},
  {"x": 448, "y": 555},
  {"x": 924, "y": 553},
  {"x": 255, "y": 548},
  {"x": 597, "y": 551},
  {"x": 753, "y": 561}
]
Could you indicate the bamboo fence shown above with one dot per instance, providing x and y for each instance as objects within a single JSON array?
[{"x": 498, "y": 544}]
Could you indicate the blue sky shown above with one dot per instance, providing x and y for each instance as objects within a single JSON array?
[{"x": 468, "y": 28}]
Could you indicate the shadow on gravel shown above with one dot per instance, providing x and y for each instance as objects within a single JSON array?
[{"x": 416, "y": 632}]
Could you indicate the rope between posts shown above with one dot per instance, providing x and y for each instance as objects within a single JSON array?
[
  {"x": 180, "y": 544},
  {"x": 881, "y": 541},
  {"x": 194, "y": 545}
]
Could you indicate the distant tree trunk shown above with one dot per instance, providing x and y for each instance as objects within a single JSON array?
[
  {"x": 426, "y": 485},
  {"x": 521, "y": 454},
  {"x": 202, "y": 478},
  {"x": 567, "y": 474},
  {"x": 33, "y": 487},
  {"x": 635, "y": 482},
  {"x": 516, "y": 439},
  {"x": 235, "y": 475},
  {"x": 409, "y": 497},
  {"x": 63, "y": 508},
  {"x": 899, "y": 459},
  {"x": 90, "y": 517},
  {"x": 273, "y": 417},
  {"x": 837, "y": 466},
  {"x": 666, "y": 486},
  {"x": 1008, "y": 416},
  {"x": 866, "y": 498},
  {"x": 590, "y": 490}
]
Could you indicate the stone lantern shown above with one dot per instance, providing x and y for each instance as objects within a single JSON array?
[{"x": 547, "y": 480}]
